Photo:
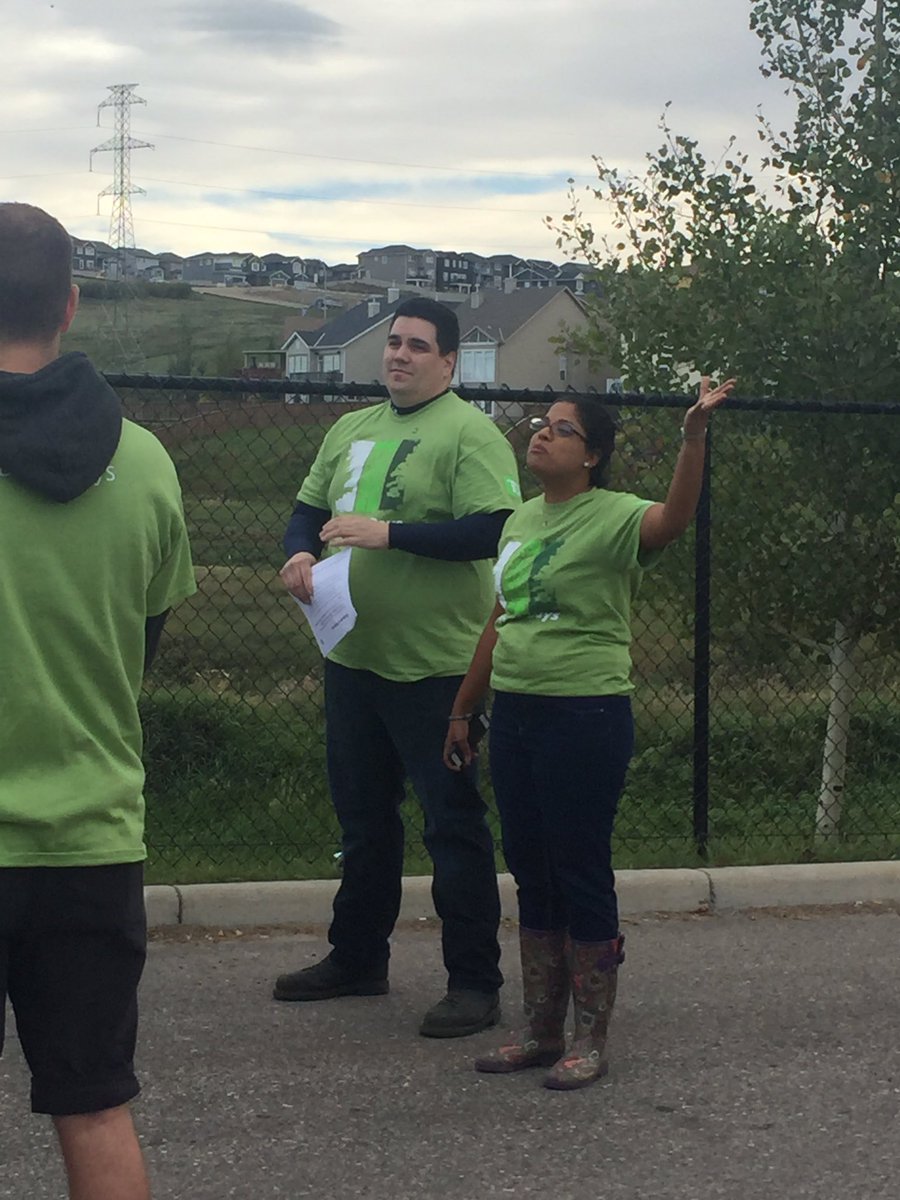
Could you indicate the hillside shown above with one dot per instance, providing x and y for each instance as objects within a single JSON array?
[{"x": 202, "y": 335}]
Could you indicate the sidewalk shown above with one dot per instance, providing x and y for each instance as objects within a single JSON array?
[
  {"x": 754, "y": 1057},
  {"x": 717, "y": 890}
]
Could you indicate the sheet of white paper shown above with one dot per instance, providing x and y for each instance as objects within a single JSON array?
[{"x": 331, "y": 614}]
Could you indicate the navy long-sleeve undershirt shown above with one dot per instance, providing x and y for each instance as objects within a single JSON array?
[{"x": 462, "y": 540}]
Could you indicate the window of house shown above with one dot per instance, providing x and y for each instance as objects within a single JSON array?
[
  {"x": 563, "y": 366},
  {"x": 478, "y": 364},
  {"x": 331, "y": 362},
  {"x": 297, "y": 363}
]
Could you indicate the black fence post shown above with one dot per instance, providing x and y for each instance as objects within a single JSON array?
[{"x": 702, "y": 595}]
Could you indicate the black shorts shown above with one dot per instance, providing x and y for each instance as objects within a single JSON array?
[{"x": 72, "y": 946}]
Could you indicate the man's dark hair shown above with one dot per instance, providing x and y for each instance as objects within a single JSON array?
[
  {"x": 35, "y": 273},
  {"x": 444, "y": 320},
  {"x": 600, "y": 429}
]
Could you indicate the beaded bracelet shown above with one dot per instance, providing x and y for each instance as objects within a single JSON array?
[{"x": 461, "y": 717}]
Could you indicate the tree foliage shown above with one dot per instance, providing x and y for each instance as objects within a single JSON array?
[{"x": 787, "y": 276}]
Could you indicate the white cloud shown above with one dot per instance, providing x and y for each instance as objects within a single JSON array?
[{"x": 478, "y": 111}]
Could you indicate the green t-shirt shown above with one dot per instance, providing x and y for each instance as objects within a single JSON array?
[
  {"x": 417, "y": 617},
  {"x": 566, "y": 575},
  {"x": 77, "y": 584}
]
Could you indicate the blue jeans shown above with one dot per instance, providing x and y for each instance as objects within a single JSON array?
[
  {"x": 558, "y": 764},
  {"x": 379, "y": 733}
]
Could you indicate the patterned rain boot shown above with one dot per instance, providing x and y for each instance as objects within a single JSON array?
[
  {"x": 594, "y": 968},
  {"x": 545, "y": 987}
]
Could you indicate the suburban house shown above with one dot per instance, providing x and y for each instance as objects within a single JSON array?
[
  {"x": 507, "y": 338},
  {"x": 172, "y": 266},
  {"x": 219, "y": 269},
  {"x": 349, "y": 348},
  {"x": 91, "y": 257},
  {"x": 575, "y": 276},
  {"x": 505, "y": 341},
  {"x": 449, "y": 271},
  {"x": 401, "y": 266},
  {"x": 453, "y": 272},
  {"x": 342, "y": 272},
  {"x": 274, "y": 270},
  {"x": 141, "y": 264}
]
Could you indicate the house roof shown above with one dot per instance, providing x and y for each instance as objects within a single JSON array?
[
  {"x": 307, "y": 326},
  {"x": 534, "y": 273},
  {"x": 103, "y": 247},
  {"x": 396, "y": 248},
  {"x": 501, "y": 314},
  {"x": 542, "y": 264},
  {"x": 353, "y": 323}
]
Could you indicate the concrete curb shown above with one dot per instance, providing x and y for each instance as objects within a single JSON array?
[{"x": 719, "y": 889}]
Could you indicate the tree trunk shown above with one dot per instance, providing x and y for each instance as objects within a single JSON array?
[{"x": 837, "y": 732}]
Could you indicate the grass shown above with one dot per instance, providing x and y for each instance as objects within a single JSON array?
[
  {"x": 236, "y": 784},
  {"x": 208, "y": 334},
  {"x": 237, "y": 789}
]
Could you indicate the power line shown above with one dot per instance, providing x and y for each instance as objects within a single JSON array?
[
  {"x": 301, "y": 199},
  {"x": 344, "y": 241},
  {"x": 369, "y": 162},
  {"x": 43, "y": 175},
  {"x": 56, "y": 129}
]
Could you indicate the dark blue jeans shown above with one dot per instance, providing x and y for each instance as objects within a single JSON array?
[
  {"x": 558, "y": 764},
  {"x": 379, "y": 733}
]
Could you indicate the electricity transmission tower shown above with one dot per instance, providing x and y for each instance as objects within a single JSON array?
[{"x": 121, "y": 222}]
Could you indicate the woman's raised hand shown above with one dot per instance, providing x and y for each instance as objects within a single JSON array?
[{"x": 697, "y": 416}]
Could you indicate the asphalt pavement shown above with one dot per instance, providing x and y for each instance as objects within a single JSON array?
[{"x": 754, "y": 1056}]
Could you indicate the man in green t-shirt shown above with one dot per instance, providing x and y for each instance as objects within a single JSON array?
[
  {"x": 417, "y": 490},
  {"x": 94, "y": 552}
]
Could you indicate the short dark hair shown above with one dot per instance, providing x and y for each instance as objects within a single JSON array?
[
  {"x": 444, "y": 320},
  {"x": 35, "y": 273},
  {"x": 600, "y": 430}
]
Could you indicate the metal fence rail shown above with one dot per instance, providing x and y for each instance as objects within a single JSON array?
[{"x": 766, "y": 648}]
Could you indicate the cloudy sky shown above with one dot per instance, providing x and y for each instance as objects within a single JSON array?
[{"x": 327, "y": 128}]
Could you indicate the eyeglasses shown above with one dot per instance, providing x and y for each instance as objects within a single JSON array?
[{"x": 563, "y": 429}]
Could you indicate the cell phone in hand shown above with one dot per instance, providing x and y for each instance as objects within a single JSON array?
[{"x": 479, "y": 723}]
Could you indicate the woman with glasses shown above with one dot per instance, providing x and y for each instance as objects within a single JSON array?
[{"x": 556, "y": 651}]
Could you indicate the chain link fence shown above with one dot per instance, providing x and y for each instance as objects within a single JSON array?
[{"x": 766, "y": 642}]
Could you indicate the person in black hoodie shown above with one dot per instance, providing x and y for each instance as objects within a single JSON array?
[{"x": 94, "y": 552}]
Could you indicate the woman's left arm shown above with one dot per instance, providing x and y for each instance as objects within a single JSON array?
[{"x": 664, "y": 523}]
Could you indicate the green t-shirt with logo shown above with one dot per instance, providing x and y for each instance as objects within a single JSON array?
[
  {"x": 77, "y": 584},
  {"x": 566, "y": 576},
  {"x": 417, "y": 617}
]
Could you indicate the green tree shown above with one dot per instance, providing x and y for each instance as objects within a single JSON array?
[{"x": 788, "y": 279}]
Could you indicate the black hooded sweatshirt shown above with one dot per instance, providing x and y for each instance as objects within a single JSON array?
[{"x": 59, "y": 430}]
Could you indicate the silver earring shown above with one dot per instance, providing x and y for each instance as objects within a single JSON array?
[{"x": 585, "y": 464}]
